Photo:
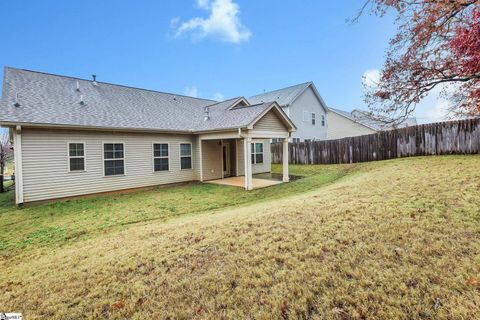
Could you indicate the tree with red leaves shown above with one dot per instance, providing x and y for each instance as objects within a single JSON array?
[{"x": 437, "y": 46}]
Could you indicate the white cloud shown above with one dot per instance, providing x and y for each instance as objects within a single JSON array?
[
  {"x": 370, "y": 78},
  {"x": 191, "y": 91},
  {"x": 223, "y": 22},
  {"x": 218, "y": 96}
]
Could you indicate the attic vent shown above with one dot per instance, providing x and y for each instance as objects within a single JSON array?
[
  {"x": 82, "y": 102},
  {"x": 16, "y": 104},
  {"x": 206, "y": 113}
]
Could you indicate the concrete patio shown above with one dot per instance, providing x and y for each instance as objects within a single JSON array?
[{"x": 240, "y": 182}]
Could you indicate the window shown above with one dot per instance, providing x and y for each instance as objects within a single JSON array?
[
  {"x": 257, "y": 153},
  {"x": 160, "y": 157},
  {"x": 306, "y": 115},
  {"x": 185, "y": 156},
  {"x": 323, "y": 121},
  {"x": 313, "y": 118},
  {"x": 296, "y": 140},
  {"x": 114, "y": 159},
  {"x": 76, "y": 156}
]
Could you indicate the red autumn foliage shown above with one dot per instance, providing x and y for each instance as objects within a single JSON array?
[{"x": 437, "y": 46}]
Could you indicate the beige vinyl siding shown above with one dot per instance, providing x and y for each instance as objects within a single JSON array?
[
  {"x": 340, "y": 127},
  {"x": 270, "y": 122},
  {"x": 45, "y": 162},
  {"x": 212, "y": 159},
  {"x": 258, "y": 167}
]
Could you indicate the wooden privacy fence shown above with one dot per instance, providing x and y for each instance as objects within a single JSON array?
[{"x": 450, "y": 137}]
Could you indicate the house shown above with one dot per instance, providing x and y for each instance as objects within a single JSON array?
[
  {"x": 304, "y": 106},
  {"x": 75, "y": 137},
  {"x": 343, "y": 124}
]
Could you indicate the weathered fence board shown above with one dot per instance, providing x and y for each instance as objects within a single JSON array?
[{"x": 449, "y": 137}]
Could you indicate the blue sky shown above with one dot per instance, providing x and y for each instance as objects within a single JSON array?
[{"x": 209, "y": 48}]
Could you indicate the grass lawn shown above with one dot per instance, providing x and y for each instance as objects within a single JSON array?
[{"x": 384, "y": 240}]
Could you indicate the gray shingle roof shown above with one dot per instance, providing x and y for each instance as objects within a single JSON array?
[
  {"x": 54, "y": 100},
  {"x": 362, "y": 117},
  {"x": 283, "y": 96}
]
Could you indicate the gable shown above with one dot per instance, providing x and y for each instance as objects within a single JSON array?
[
  {"x": 310, "y": 99},
  {"x": 270, "y": 122}
]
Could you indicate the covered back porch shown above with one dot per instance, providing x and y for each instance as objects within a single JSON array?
[
  {"x": 245, "y": 151},
  {"x": 239, "y": 159}
]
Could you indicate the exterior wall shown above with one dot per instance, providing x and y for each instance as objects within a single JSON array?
[
  {"x": 259, "y": 167},
  {"x": 341, "y": 127},
  {"x": 308, "y": 101},
  {"x": 270, "y": 123},
  {"x": 212, "y": 159},
  {"x": 45, "y": 162}
]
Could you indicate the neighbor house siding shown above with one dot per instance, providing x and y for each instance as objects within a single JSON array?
[
  {"x": 212, "y": 159},
  {"x": 309, "y": 102},
  {"x": 45, "y": 162},
  {"x": 256, "y": 168},
  {"x": 342, "y": 127}
]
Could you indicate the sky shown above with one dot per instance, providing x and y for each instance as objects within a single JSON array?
[{"x": 213, "y": 49}]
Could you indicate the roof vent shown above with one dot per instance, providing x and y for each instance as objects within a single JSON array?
[
  {"x": 78, "y": 87},
  {"x": 95, "y": 83},
  {"x": 206, "y": 113},
  {"x": 16, "y": 104}
]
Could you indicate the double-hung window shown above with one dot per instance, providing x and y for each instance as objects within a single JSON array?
[
  {"x": 257, "y": 153},
  {"x": 306, "y": 115},
  {"x": 185, "y": 156},
  {"x": 160, "y": 157},
  {"x": 323, "y": 121},
  {"x": 114, "y": 159},
  {"x": 76, "y": 156},
  {"x": 313, "y": 118}
]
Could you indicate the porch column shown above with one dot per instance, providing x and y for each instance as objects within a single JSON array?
[
  {"x": 247, "y": 146},
  {"x": 285, "y": 160},
  {"x": 200, "y": 158}
]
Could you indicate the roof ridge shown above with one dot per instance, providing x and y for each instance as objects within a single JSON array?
[
  {"x": 211, "y": 105},
  {"x": 107, "y": 83},
  {"x": 295, "y": 85}
]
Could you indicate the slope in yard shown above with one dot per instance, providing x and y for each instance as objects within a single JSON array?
[{"x": 392, "y": 239}]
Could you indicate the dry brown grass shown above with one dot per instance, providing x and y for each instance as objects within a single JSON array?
[{"x": 400, "y": 239}]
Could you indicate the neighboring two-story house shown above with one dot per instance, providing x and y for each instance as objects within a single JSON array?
[{"x": 304, "y": 106}]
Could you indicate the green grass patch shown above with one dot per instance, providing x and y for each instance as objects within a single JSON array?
[{"x": 79, "y": 219}]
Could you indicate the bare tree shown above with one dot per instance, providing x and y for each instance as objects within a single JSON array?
[{"x": 6, "y": 154}]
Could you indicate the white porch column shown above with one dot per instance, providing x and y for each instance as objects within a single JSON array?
[
  {"x": 247, "y": 146},
  {"x": 17, "y": 156},
  {"x": 200, "y": 158},
  {"x": 285, "y": 160}
]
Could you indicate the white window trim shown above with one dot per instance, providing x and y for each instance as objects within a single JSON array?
[
  {"x": 254, "y": 153},
  {"x": 124, "y": 159},
  {"x": 168, "y": 157},
  {"x": 180, "y": 155},
  {"x": 314, "y": 119},
  {"x": 323, "y": 120},
  {"x": 84, "y": 156}
]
